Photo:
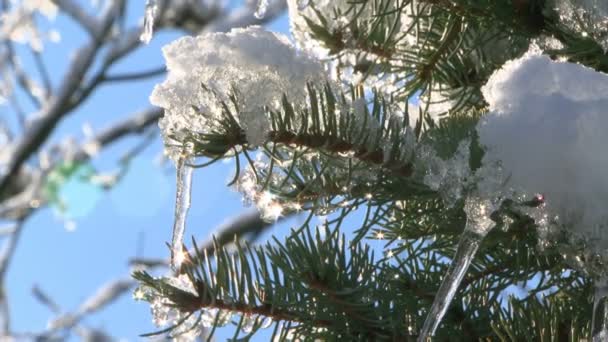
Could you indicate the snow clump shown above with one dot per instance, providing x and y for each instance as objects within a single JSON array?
[
  {"x": 258, "y": 65},
  {"x": 547, "y": 128}
]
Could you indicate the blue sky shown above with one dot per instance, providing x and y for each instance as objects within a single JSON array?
[{"x": 133, "y": 218}]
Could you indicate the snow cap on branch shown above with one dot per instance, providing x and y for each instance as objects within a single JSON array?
[
  {"x": 547, "y": 126},
  {"x": 258, "y": 65}
]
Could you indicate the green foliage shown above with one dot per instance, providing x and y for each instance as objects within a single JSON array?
[{"x": 347, "y": 154}]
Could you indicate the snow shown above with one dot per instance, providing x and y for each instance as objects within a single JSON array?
[
  {"x": 260, "y": 65},
  {"x": 547, "y": 128}
]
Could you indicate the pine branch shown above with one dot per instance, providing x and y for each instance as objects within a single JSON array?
[{"x": 338, "y": 293}]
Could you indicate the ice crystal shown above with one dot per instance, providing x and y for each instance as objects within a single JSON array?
[
  {"x": 546, "y": 127},
  {"x": 338, "y": 15},
  {"x": 260, "y": 9},
  {"x": 211, "y": 317},
  {"x": 182, "y": 204},
  {"x": 589, "y": 17},
  {"x": 257, "y": 65},
  {"x": 149, "y": 16},
  {"x": 448, "y": 177}
]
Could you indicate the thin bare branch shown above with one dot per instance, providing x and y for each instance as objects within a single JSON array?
[
  {"x": 9, "y": 250},
  {"x": 88, "y": 22},
  {"x": 134, "y": 76},
  {"x": 44, "y": 73},
  {"x": 243, "y": 16},
  {"x": 104, "y": 296},
  {"x": 248, "y": 223},
  {"x": 45, "y": 299},
  {"x": 136, "y": 124},
  {"x": 55, "y": 109}
]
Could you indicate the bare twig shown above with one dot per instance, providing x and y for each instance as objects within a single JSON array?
[
  {"x": 9, "y": 250},
  {"x": 243, "y": 16},
  {"x": 45, "y": 299},
  {"x": 44, "y": 73},
  {"x": 134, "y": 76},
  {"x": 104, "y": 296},
  {"x": 54, "y": 110},
  {"x": 74, "y": 10},
  {"x": 24, "y": 81},
  {"x": 248, "y": 223},
  {"x": 133, "y": 125},
  {"x": 5, "y": 314}
]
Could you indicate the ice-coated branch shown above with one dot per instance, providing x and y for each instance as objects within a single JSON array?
[
  {"x": 245, "y": 16},
  {"x": 104, "y": 296},
  {"x": 135, "y": 124},
  {"x": 53, "y": 110},
  {"x": 248, "y": 223},
  {"x": 74, "y": 10},
  {"x": 23, "y": 79},
  {"x": 9, "y": 249}
]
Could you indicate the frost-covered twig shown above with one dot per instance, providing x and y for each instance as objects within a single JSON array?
[
  {"x": 74, "y": 10},
  {"x": 8, "y": 250},
  {"x": 104, "y": 296},
  {"x": 245, "y": 16},
  {"x": 135, "y": 124},
  {"x": 54, "y": 109}
]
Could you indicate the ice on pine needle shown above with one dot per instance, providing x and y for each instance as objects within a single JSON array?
[
  {"x": 338, "y": 15},
  {"x": 588, "y": 17},
  {"x": 547, "y": 126},
  {"x": 259, "y": 65},
  {"x": 478, "y": 211}
]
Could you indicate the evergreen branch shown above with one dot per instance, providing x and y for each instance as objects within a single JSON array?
[
  {"x": 267, "y": 281},
  {"x": 234, "y": 229}
]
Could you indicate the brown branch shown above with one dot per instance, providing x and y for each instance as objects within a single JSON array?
[
  {"x": 336, "y": 145},
  {"x": 344, "y": 306}
]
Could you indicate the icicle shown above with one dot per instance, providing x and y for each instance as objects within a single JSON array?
[
  {"x": 150, "y": 15},
  {"x": 302, "y": 4},
  {"x": 260, "y": 9},
  {"x": 477, "y": 226},
  {"x": 182, "y": 204},
  {"x": 599, "y": 320}
]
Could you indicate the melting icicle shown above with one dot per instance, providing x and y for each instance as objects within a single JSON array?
[
  {"x": 151, "y": 9},
  {"x": 260, "y": 9},
  {"x": 477, "y": 226},
  {"x": 302, "y": 4},
  {"x": 182, "y": 204},
  {"x": 599, "y": 320}
]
